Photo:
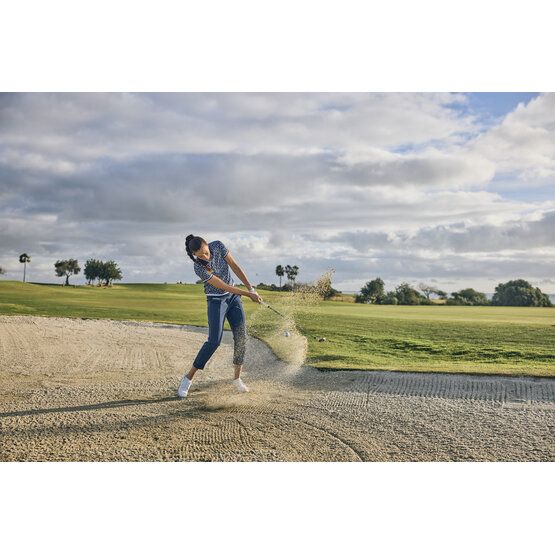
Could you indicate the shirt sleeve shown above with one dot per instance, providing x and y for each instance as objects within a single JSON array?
[
  {"x": 202, "y": 272},
  {"x": 222, "y": 248}
]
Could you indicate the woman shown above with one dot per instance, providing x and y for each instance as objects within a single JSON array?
[{"x": 212, "y": 264}]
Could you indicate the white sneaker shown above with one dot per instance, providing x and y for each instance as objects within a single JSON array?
[
  {"x": 241, "y": 387},
  {"x": 184, "y": 386}
]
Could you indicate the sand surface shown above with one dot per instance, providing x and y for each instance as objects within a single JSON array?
[{"x": 103, "y": 390}]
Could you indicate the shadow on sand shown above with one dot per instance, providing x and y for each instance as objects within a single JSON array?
[{"x": 84, "y": 408}]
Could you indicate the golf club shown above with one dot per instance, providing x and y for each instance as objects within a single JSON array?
[{"x": 272, "y": 308}]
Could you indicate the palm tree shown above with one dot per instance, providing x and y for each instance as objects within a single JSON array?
[
  {"x": 291, "y": 272},
  {"x": 280, "y": 272},
  {"x": 24, "y": 258}
]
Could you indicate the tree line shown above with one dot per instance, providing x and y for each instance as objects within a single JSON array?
[
  {"x": 518, "y": 292},
  {"x": 322, "y": 288},
  {"x": 290, "y": 271},
  {"x": 104, "y": 273}
]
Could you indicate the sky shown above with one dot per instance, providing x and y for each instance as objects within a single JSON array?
[{"x": 450, "y": 189}]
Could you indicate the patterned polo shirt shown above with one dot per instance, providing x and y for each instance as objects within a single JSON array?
[{"x": 219, "y": 266}]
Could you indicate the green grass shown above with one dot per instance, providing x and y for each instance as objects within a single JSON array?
[
  {"x": 491, "y": 340},
  {"x": 497, "y": 340}
]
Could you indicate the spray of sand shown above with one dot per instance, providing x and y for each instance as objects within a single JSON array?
[{"x": 281, "y": 333}]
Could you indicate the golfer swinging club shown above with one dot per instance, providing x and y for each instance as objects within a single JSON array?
[{"x": 212, "y": 263}]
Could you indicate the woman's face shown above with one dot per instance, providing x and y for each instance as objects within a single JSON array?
[{"x": 203, "y": 253}]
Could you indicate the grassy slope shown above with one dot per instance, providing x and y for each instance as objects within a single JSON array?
[{"x": 503, "y": 340}]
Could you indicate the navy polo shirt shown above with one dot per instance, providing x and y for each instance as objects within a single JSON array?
[{"x": 216, "y": 266}]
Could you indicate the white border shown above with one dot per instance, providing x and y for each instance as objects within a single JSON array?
[
  {"x": 428, "y": 508},
  {"x": 275, "y": 46},
  {"x": 253, "y": 45}
]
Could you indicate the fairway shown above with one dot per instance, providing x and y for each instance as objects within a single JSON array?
[{"x": 483, "y": 340}]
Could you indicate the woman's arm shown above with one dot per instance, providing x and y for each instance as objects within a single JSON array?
[
  {"x": 237, "y": 270},
  {"x": 215, "y": 281}
]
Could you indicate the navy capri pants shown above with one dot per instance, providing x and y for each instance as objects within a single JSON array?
[{"x": 219, "y": 308}]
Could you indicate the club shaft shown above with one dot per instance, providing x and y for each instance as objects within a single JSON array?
[{"x": 272, "y": 308}]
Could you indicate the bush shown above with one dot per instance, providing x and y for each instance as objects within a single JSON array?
[
  {"x": 519, "y": 292},
  {"x": 273, "y": 287},
  {"x": 407, "y": 295},
  {"x": 389, "y": 298},
  {"x": 470, "y": 297},
  {"x": 104, "y": 272},
  {"x": 458, "y": 302}
]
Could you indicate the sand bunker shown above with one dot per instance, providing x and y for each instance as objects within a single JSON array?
[{"x": 95, "y": 390}]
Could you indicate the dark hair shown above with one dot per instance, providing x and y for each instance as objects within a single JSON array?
[{"x": 192, "y": 244}]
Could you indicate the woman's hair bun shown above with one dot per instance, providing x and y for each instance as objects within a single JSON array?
[{"x": 193, "y": 244}]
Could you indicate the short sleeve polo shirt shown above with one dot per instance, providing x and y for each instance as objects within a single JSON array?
[{"x": 218, "y": 267}]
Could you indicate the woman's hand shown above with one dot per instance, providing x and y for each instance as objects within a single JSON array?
[{"x": 254, "y": 297}]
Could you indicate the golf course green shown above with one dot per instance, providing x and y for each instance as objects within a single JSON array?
[{"x": 439, "y": 338}]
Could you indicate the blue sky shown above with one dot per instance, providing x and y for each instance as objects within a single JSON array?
[
  {"x": 492, "y": 105},
  {"x": 455, "y": 189},
  {"x": 488, "y": 108}
]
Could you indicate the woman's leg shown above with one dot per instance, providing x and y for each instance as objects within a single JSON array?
[
  {"x": 237, "y": 322},
  {"x": 216, "y": 316},
  {"x": 192, "y": 372}
]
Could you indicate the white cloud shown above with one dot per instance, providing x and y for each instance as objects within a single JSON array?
[
  {"x": 87, "y": 126},
  {"x": 396, "y": 183},
  {"x": 524, "y": 142},
  {"x": 513, "y": 237},
  {"x": 430, "y": 167}
]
